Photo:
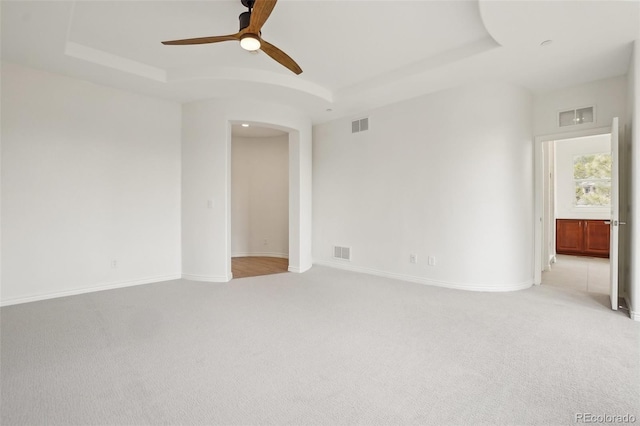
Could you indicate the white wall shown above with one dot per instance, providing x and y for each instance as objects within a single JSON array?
[
  {"x": 632, "y": 216},
  {"x": 565, "y": 151},
  {"x": 447, "y": 175},
  {"x": 260, "y": 196},
  {"x": 206, "y": 187},
  {"x": 608, "y": 96},
  {"x": 89, "y": 175}
]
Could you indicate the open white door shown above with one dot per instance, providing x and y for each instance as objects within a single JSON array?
[{"x": 615, "y": 214}]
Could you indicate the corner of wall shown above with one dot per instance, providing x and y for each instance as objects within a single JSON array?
[{"x": 632, "y": 137}]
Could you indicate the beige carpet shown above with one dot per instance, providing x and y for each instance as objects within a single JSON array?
[{"x": 324, "y": 347}]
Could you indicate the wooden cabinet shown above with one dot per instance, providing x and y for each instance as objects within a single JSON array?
[
  {"x": 569, "y": 236},
  {"x": 582, "y": 237}
]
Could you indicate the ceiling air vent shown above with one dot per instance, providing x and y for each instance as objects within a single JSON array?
[
  {"x": 576, "y": 116},
  {"x": 360, "y": 125},
  {"x": 343, "y": 253}
]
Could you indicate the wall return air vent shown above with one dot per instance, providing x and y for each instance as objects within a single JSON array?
[
  {"x": 576, "y": 116},
  {"x": 343, "y": 253},
  {"x": 360, "y": 125}
]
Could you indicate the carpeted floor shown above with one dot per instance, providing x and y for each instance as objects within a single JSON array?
[{"x": 324, "y": 347}]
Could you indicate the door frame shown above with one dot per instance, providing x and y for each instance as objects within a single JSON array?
[
  {"x": 539, "y": 230},
  {"x": 299, "y": 196}
]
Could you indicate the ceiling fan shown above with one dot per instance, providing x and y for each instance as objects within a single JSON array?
[{"x": 251, "y": 23}]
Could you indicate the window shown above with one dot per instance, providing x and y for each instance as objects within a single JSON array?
[{"x": 592, "y": 180}]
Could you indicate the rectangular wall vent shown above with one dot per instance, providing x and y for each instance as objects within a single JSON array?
[
  {"x": 343, "y": 253},
  {"x": 360, "y": 125},
  {"x": 576, "y": 116}
]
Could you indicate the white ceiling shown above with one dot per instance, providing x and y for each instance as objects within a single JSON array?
[
  {"x": 255, "y": 131},
  {"x": 355, "y": 54}
]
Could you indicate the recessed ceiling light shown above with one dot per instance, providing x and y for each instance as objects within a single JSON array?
[
  {"x": 546, "y": 43},
  {"x": 245, "y": 125}
]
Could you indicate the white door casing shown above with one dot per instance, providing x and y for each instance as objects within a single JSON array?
[{"x": 614, "y": 222}]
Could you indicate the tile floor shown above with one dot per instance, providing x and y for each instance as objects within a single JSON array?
[{"x": 590, "y": 274}]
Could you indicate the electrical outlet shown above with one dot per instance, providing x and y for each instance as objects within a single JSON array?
[
  {"x": 432, "y": 261},
  {"x": 413, "y": 258},
  {"x": 265, "y": 242},
  {"x": 114, "y": 264}
]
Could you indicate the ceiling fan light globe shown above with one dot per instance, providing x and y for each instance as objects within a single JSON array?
[{"x": 250, "y": 43}]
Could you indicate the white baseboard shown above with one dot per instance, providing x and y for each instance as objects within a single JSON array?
[
  {"x": 261, "y": 254},
  {"x": 634, "y": 315},
  {"x": 208, "y": 278},
  {"x": 299, "y": 270},
  {"x": 92, "y": 289},
  {"x": 421, "y": 280}
]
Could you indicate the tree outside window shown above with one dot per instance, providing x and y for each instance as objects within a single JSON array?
[{"x": 592, "y": 178}]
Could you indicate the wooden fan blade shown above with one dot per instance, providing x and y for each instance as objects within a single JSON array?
[
  {"x": 280, "y": 56},
  {"x": 204, "y": 40},
  {"x": 259, "y": 14}
]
